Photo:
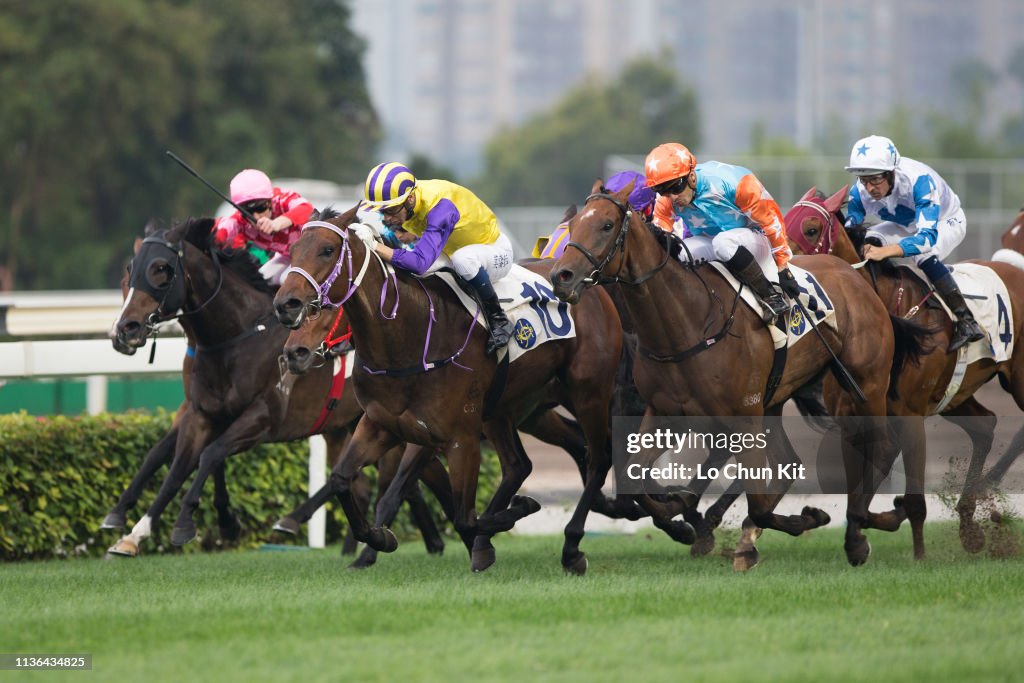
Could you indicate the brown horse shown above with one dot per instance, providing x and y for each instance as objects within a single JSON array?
[
  {"x": 681, "y": 370},
  {"x": 815, "y": 225},
  {"x": 1013, "y": 243},
  {"x": 232, "y": 397},
  {"x": 428, "y": 384}
]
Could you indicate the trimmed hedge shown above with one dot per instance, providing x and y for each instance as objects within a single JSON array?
[{"x": 59, "y": 477}]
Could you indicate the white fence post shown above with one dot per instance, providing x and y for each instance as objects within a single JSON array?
[
  {"x": 95, "y": 394},
  {"x": 317, "y": 478}
]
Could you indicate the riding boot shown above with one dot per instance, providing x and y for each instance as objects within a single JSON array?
[
  {"x": 746, "y": 270},
  {"x": 501, "y": 327},
  {"x": 966, "y": 329}
]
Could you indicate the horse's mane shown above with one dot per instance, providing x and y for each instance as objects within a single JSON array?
[{"x": 199, "y": 233}]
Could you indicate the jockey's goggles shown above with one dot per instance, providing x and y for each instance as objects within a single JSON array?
[
  {"x": 671, "y": 187},
  {"x": 257, "y": 206},
  {"x": 873, "y": 180}
]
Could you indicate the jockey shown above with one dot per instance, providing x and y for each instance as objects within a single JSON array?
[
  {"x": 730, "y": 216},
  {"x": 641, "y": 199},
  {"x": 921, "y": 220},
  {"x": 449, "y": 219},
  {"x": 279, "y": 215}
]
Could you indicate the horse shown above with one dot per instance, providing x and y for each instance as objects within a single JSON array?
[
  {"x": 316, "y": 341},
  {"x": 815, "y": 225},
  {"x": 681, "y": 370},
  {"x": 428, "y": 385},
  {"x": 234, "y": 398}
]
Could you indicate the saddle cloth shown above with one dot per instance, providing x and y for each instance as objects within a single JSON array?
[
  {"x": 530, "y": 303},
  {"x": 812, "y": 296},
  {"x": 987, "y": 297}
]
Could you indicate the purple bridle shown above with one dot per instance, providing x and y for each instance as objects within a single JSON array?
[{"x": 354, "y": 280}]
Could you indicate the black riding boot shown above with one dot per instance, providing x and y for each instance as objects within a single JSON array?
[
  {"x": 966, "y": 329},
  {"x": 746, "y": 270},
  {"x": 501, "y": 327}
]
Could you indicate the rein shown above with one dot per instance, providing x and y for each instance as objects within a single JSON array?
[{"x": 323, "y": 300}]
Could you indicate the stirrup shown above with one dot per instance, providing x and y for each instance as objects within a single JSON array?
[{"x": 964, "y": 333}]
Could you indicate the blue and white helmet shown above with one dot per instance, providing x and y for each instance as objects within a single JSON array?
[{"x": 872, "y": 155}]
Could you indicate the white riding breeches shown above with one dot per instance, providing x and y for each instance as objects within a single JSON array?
[
  {"x": 273, "y": 270},
  {"x": 951, "y": 232},
  {"x": 495, "y": 259},
  {"x": 723, "y": 247}
]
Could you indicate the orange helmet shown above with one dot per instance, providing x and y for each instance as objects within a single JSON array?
[{"x": 668, "y": 162}]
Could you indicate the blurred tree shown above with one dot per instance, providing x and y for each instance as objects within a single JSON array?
[
  {"x": 424, "y": 167},
  {"x": 87, "y": 115},
  {"x": 555, "y": 157}
]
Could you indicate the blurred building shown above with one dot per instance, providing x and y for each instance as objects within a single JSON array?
[{"x": 446, "y": 74}]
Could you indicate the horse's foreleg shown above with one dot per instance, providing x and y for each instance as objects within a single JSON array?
[
  {"x": 230, "y": 529},
  {"x": 249, "y": 429},
  {"x": 158, "y": 455},
  {"x": 292, "y": 522},
  {"x": 369, "y": 442},
  {"x": 193, "y": 435}
]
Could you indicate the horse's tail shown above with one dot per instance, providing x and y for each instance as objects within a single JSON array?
[{"x": 913, "y": 342}]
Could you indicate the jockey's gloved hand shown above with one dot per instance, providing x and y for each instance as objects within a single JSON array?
[
  {"x": 364, "y": 232},
  {"x": 788, "y": 283}
]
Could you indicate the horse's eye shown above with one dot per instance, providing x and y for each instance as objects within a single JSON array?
[
  {"x": 607, "y": 227},
  {"x": 326, "y": 251},
  {"x": 811, "y": 232}
]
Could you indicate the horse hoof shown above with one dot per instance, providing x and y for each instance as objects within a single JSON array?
[
  {"x": 287, "y": 525},
  {"x": 745, "y": 560},
  {"x": 681, "y": 532},
  {"x": 383, "y": 540},
  {"x": 482, "y": 558},
  {"x": 704, "y": 545},
  {"x": 577, "y": 566},
  {"x": 528, "y": 505},
  {"x": 364, "y": 561},
  {"x": 231, "y": 532},
  {"x": 181, "y": 535},
  {"x": 124, "y": 548},
  {"x": 817, "y": 517},
  {"x": 857, "y": 553},
  {"x": 972, "y": 537},
  {"x": 114, "y": 520},
  {"x": 435, "y": 548}
]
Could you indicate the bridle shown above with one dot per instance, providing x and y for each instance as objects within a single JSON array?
[
  {"x": 596, "y": 276},
  {"x": 170, "y": 295}
]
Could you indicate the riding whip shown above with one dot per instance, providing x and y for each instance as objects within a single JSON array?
[
  {"x": 248, "y": 216},
  {"x": 845, "y": 378}
]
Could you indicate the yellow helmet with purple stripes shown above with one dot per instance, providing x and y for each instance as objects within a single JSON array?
[{"x": 387, "y": 185}]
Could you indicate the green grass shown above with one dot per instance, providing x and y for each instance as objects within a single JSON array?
[{"x": 645, "y": 611}]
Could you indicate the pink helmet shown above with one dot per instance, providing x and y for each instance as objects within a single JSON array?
[{"x": 251, "y": 184}]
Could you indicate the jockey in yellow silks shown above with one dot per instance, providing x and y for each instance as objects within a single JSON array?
[{"x": 449, "y": 219}]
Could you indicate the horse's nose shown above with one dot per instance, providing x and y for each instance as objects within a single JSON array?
[
  {"x": 299, "y": 358},
  {"x": 129, "y": 329},
  {"x": 562, "y": 275},
  {"x": 289, "y": 312}
]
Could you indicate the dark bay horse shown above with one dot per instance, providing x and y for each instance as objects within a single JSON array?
[
  {"x": 698, "y": 360},
  {"x": 423, "y": 377},
  {"x": 232, "y": 397},
  {"x": 815, "y": 225}
]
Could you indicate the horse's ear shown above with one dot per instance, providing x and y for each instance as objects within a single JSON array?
[
  {"x": 623, "y": 194},
  {"x": 836, "y": 201},
  {"x": 598, "y": 184},
  {"x": 569, "y": 213},
  {"x": 136, "y": 245},
  {"x": 809, "y": 194}
]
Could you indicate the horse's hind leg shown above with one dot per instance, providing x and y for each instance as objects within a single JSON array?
[
  {"x": 980, "y": 423},
  {"x": 158, "y": 455}
]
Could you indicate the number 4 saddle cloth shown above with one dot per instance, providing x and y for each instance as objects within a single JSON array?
[
  {"x": 531, "y": 305},
  {"x": 987, "y": 297}
]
